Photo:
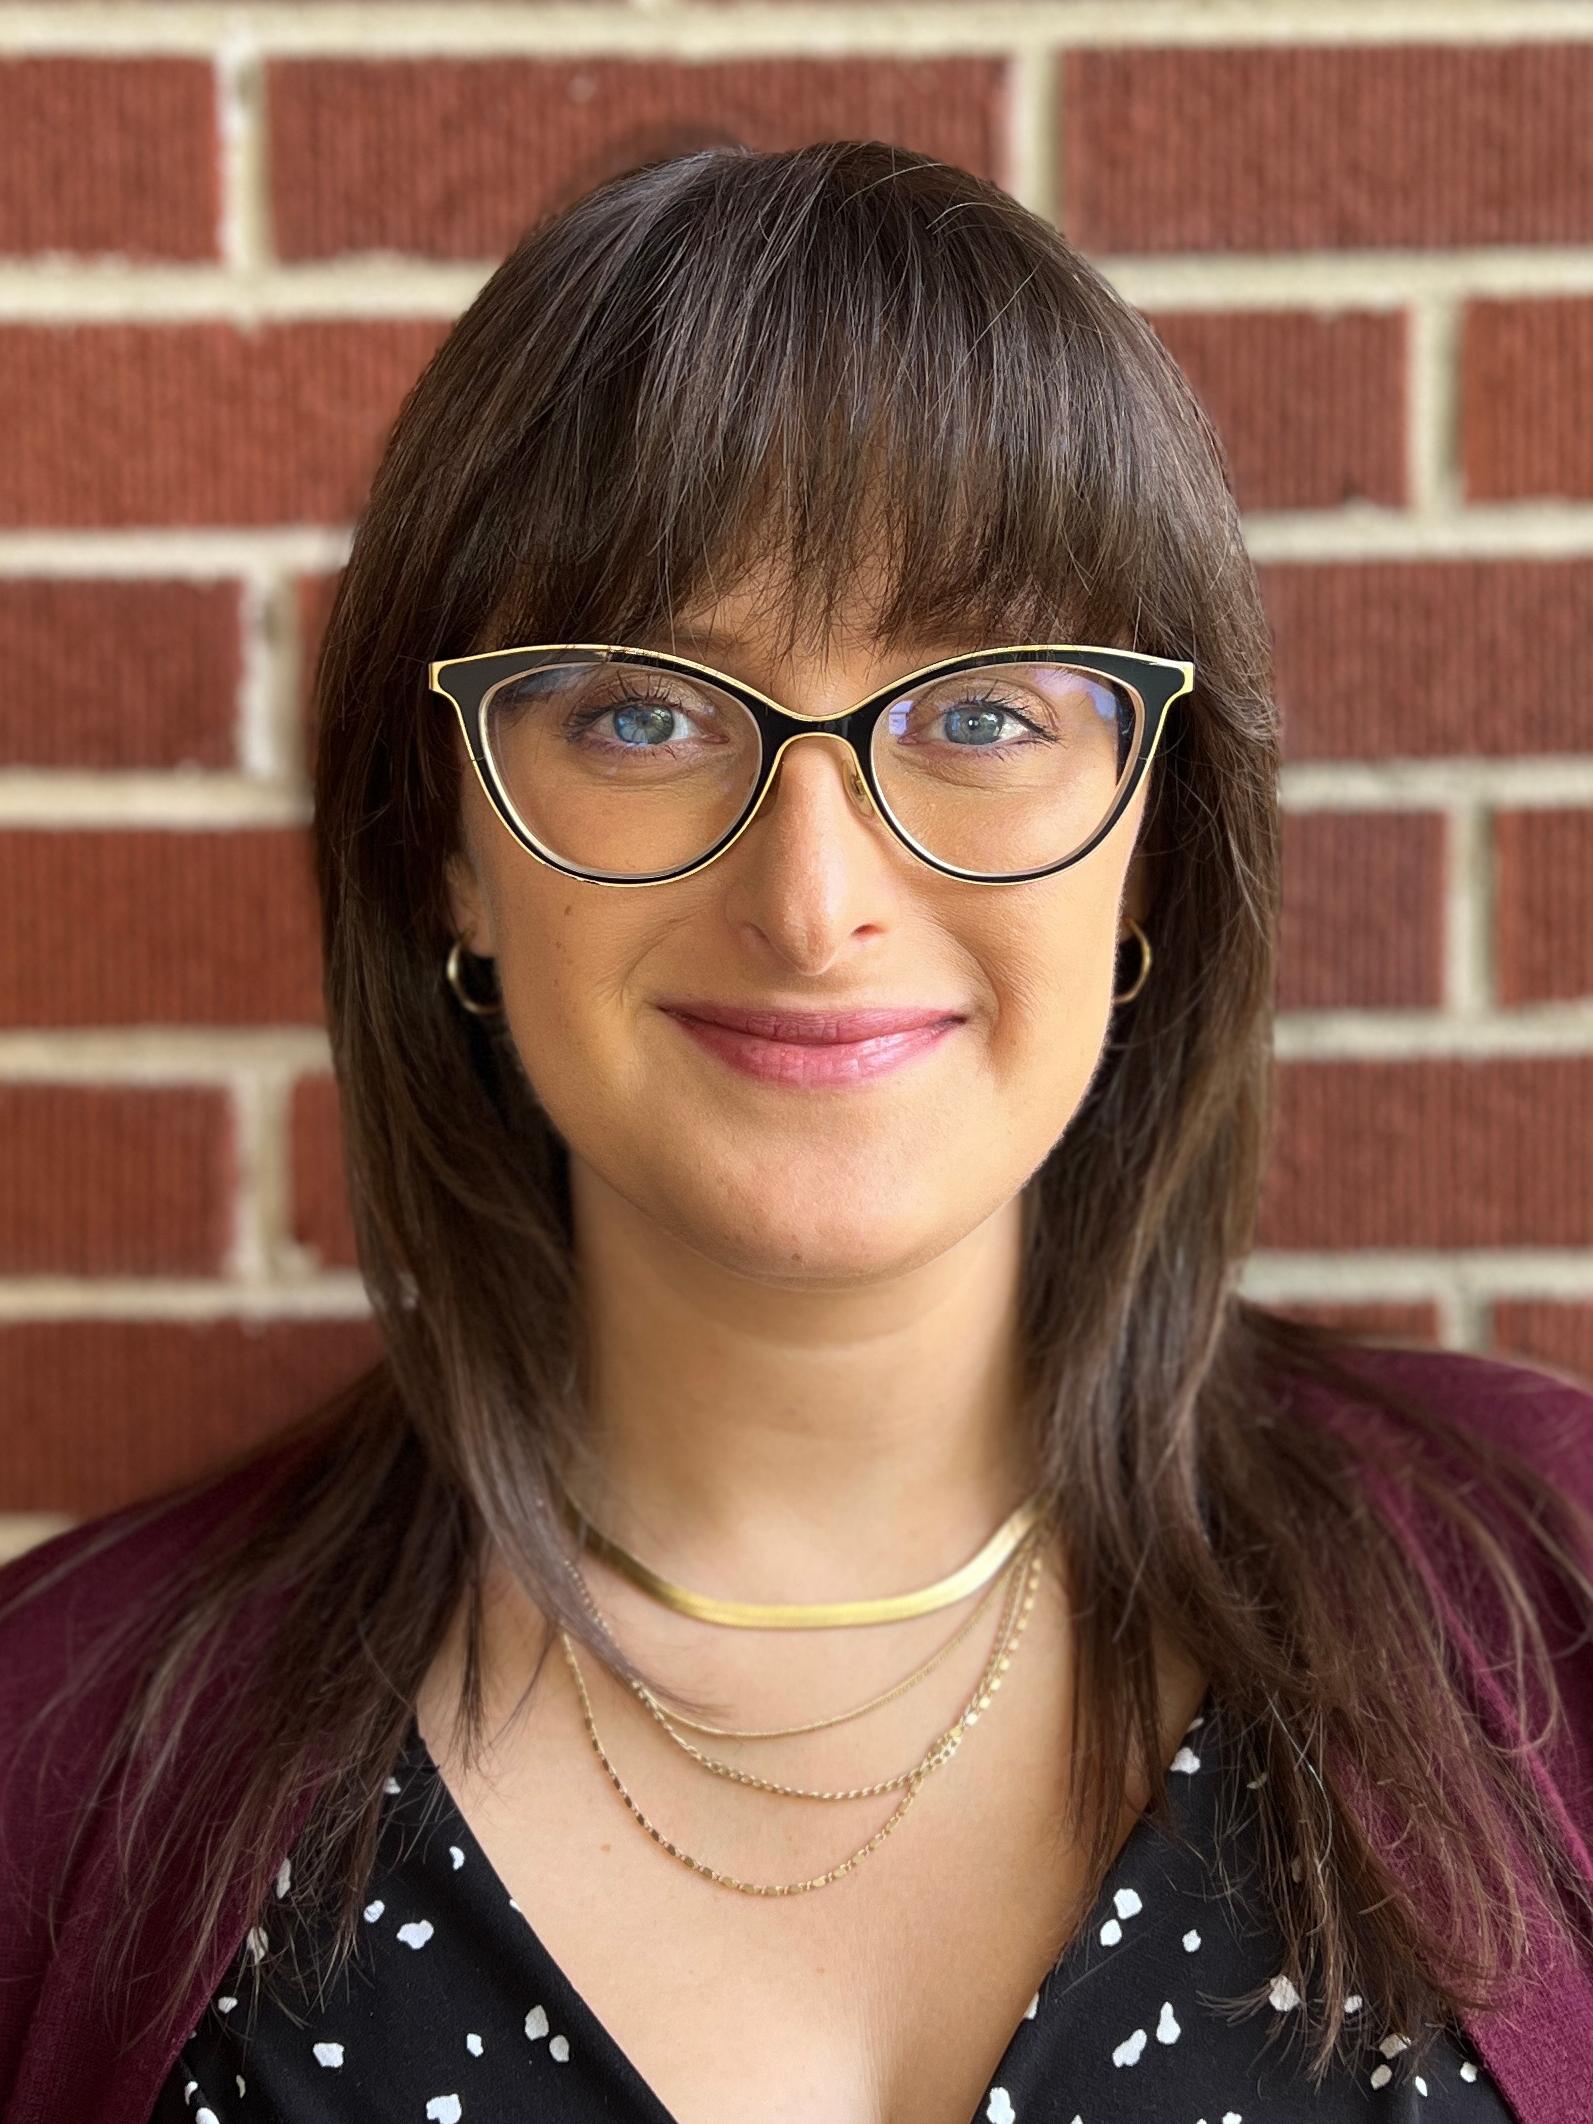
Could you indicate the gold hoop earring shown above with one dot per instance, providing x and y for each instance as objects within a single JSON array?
[
  {"x": 453, "y": 973},
  {"x": 1129, "y": 994}
]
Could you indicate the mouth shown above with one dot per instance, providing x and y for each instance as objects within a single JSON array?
[
  {"x": 814, "y": 1049},
  {"x": 814, "y": 1028}
]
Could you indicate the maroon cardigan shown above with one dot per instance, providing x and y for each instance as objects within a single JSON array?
[{"x": 57, "y": 2061}]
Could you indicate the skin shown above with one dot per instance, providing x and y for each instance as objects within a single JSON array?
[
  {"x": 800, "y": 1312},
  {"x": 800, "y": 1307}
]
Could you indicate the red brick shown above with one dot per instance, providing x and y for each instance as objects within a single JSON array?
[
  {"x": 1254, "y": 371},
  {"x": 102, "y": 1411},
  {"x": 1428, "y": 659},
  {"x": 1524, "y": 370},
  {"x": 1325, "y": 147},
  {"x": 1543, "y": 905},
  {"x": 1547, "y": 1332},
  {"x": 313, "y": 598},
  {"x": 125, "y": 1181},
  {"x": 112, "y": 156},
  {"x": 207, "y": 423},
  {"x": 320, "y": 1194},
  {"x": 119, "y": 673},
  {"x": 1363, "y": 910},
  {"x": 1389, "y": 1321},
  {"x": 161, "y": 927},
  {"x": 1436, "y": 1152},
  {"x": 453, "y": 158}
]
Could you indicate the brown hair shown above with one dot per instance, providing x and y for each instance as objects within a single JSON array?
[{"x": 814, "y": 354}]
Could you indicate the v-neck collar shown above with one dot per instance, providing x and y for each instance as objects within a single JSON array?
[{"x": 1101, "y": 1940}]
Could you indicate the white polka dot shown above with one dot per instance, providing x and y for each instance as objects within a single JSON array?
[
  {"x": 559, "y": 2048},
  {"x": 284, "y": 1875},
  {"x": 1128, "y": 2051},
  {"x": 1283, "y": 1995},
  {"x": 1032, "y": 2008},
  {"x": 1353, "y": 2003},
  {"x": 1191, "y": 1941},
  {"x": 225, "y": 2005},
  {"x": 392, "y": 1785},
  {"x": 456, "y": 1855},
  {"x": 238, "y": 2076},
  {"x": 1392, "y": 2045},
  {"x": 445, "y": 2109},
  {"x": 205, "y": 2116},
  {"x": 328, "y": 2053},
  {"x": 473, "y": 2045},
  {"x": 536, "y": 2022},
  {"x": 373, "y": 1911},
  {"x": 1127, "y": 1903},
  {"x": 1167, "y": 2028},
  {"x": 1468, "y": 2071},
  {"x": 1111, "y": 1933},
  {"x": 258, "y": 1943},
  {"x": 1381, "y": 2076},
  {"x": 189, "y": 2088},
  {"x": 1186, "y": 1759},
  {"x": 1421, "y": 2084},
  {"x": 416, "y": 1933},
  {"x": 999, "y": 2108}
]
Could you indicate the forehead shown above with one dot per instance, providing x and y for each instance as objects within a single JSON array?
[{"x": 757, "y": 620}]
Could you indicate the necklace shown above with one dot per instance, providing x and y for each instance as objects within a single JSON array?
[
  {"x": 939, "y": 1752},
  {"x": 889, "y": 1784},
  {"x": 814, "y": 1615},
  {"x": 668, "y": 1720},
  {"x": 816, "y": 1725}
]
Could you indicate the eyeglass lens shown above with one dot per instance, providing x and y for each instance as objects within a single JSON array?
[{"x": 627, "y": 770}]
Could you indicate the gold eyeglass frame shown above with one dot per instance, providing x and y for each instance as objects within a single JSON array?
[{"x": 1153, "y": 683}]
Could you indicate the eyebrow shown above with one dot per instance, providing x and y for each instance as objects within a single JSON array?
[
  {"x": 727, "y": 651},
  {"x": 686, "y": 642}
]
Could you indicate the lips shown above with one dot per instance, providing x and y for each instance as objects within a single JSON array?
[{"x": 814, "y": 1028}]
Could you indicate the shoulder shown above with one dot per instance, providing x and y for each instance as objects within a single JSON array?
[
  {"x": 70, "y": 1602},
  {"x": 1541, "y": 1415}
]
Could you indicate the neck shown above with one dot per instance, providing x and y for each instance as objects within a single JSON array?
[{"x": 791, "y": 1442}]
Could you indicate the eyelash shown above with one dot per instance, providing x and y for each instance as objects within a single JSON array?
[{"x": 582, "y": 720}]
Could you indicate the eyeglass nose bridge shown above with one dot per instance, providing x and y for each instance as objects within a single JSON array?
[{"x": 856, "y": 781}]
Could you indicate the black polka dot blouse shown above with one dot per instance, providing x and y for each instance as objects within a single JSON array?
[{"x": 453, "y": 2012}]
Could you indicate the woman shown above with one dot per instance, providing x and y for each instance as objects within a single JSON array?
[{"x": 859, "y": 1409}]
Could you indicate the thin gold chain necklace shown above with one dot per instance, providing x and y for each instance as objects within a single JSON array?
[
  {"x": 939, "y": 1753},
  {"x": 816, "y": 1725},
  {"x": 1015, "y": 1578},
  {"x": 813, "y": 1615}
]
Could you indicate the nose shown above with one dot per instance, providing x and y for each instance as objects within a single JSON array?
[{"x": 802, "y": 785}]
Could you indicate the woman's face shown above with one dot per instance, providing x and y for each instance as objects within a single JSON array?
[{"x": 815, "y": 907}]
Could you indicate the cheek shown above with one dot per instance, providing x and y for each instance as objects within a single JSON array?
[
  {"x": 565, "y": 959},
  {"x": 1052, "y": 970}
]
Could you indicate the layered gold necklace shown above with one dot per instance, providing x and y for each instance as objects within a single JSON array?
[{"x": 1014, "y": 1554}]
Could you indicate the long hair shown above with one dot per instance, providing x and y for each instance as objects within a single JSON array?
[{"x": 840, "y": 353}]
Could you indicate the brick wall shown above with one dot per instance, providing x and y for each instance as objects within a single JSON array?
[{"x": 229, "y": 236}]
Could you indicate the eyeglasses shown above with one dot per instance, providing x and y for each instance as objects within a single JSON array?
[{"x": 633, "y": 767}]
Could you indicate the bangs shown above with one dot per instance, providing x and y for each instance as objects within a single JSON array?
[{"x": 869, "y": 379}]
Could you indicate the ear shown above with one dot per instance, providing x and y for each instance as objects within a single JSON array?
[
  {"x": 467, "y": 905},
  {"x": 1138, "y": 889}
]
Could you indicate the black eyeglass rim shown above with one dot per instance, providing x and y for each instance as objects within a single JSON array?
[{"x": 1156, "y": 682}]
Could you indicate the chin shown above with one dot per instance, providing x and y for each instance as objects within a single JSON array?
[{"x": 800, "y": 1226}]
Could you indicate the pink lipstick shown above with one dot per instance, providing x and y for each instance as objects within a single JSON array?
[{"x": 814, "y": 1049}]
